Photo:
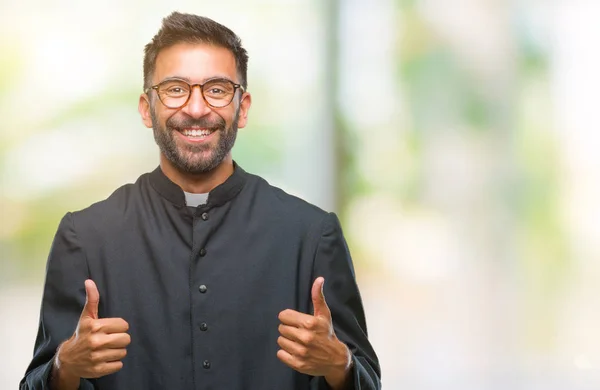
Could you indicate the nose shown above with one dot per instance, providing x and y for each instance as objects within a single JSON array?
[{"x": 196, "y": 106}]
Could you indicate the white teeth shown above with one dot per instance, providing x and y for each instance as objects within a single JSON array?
[{"x": 196, "y": 133}]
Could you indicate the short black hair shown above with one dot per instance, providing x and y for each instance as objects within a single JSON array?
[{"x": 187, "y": 28}]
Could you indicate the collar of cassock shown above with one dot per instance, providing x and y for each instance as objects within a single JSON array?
[{"x": 217, "y": 197}]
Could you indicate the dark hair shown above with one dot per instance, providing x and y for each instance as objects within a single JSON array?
[{"x": 179, "y": 27}]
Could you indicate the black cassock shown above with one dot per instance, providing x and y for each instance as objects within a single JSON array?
[{"x": 201, "y": 289}]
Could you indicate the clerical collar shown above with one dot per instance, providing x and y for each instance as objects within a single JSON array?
[
  {"x": 195, "y": 200},
  {"x": 217, "y": 197}
]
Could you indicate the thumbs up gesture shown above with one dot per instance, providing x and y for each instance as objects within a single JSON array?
[
  {"x": 97, "y": 346},
  {"x": 309, "y": 344}
]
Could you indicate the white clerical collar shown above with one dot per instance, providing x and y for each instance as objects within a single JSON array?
[{"x": 195, "y": 200}]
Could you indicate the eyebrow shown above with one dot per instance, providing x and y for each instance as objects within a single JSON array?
[{"x": 187, "y": 80}]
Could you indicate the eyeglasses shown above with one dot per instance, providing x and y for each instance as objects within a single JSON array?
[{"x": 175, "y": 93}]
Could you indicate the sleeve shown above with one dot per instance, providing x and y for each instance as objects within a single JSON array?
[
  {"x": 62, "y": 301},
  {"x": 333, "y": 262}
]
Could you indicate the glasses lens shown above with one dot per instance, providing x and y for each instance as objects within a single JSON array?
[
  {"x": 173, "y": 93},
  {"x": 218, "y": 93}
]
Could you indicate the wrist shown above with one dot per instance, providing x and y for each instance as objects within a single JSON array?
[
  {"x": 339, "y": 376},
  {"x": 60, "y": 376}
]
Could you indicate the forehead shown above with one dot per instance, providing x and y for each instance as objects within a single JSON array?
[{"x": 196, "y": 62}]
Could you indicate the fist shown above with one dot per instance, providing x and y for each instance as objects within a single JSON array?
[
  {"x": 309, "y": 344},
  {"x": 98, "y": 344}
]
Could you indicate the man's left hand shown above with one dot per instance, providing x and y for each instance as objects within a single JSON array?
[{"x": 309, "y": 344}]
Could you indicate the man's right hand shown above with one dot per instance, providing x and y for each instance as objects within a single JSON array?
[{"x": 95, "y": 349}]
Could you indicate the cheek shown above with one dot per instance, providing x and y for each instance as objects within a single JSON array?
[
  {"x": 226, "y": 115},
  {"x": 161, "y": 118}
]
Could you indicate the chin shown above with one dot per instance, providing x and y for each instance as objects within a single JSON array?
[{"x": 196, "y": 166}]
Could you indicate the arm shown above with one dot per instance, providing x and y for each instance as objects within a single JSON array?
[
  {"x": 332, "y": 261},
  {"x": 62, "y": 302}
]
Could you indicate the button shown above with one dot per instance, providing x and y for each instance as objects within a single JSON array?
[
  {"x": 202, "y": 289},
  {"x": 206, "y": 364},
  {"x": 204, "y": 216},
  {"x": 203, "y": 327},
  {"x": 202, "y": 252}
]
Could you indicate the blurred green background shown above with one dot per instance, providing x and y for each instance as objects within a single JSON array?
[{"x": 457, "y": 140}]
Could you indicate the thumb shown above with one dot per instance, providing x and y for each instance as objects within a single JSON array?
[
  {"x": 318, "y": 298},
  {"x": 92, "y": 298}
]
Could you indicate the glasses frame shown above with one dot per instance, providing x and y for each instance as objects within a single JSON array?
[{"x": 201, "y": 86}]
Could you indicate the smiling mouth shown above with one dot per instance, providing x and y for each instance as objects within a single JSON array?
[{"x": 196, "y": 133}]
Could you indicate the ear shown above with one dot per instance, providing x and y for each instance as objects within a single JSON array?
[
  {"x": 245, "y": 104},
  {"x": 144, "y": 110}
]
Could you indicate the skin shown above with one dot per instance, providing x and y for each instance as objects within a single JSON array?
[
  {"x": 308, "y": 342},
  {"x": 95, "y": 349},
  {"x": 196, "y": 63}
]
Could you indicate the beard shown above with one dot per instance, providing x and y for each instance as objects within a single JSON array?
[{"x": 190, "y": 158}]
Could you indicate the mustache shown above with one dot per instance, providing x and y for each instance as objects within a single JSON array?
[{"x": 182, "y": 123}]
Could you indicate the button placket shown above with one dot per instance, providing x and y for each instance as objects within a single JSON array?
[{"x": 202, "y": 327}]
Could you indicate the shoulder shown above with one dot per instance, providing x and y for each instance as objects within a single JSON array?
[
  {"x": 286, "y": 208},
  {"x": 114, "y": 208},
  {"x": 282, "y": 200}
]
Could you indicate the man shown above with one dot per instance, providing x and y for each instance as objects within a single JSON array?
[{"x": 200, "y": 275}]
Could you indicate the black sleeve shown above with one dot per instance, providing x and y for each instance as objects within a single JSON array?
[
  {"x": 333, "y": 262},
  {"x": 62, "y": 301}
]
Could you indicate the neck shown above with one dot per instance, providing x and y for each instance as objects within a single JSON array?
[{"x": 201, "y": 183}]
